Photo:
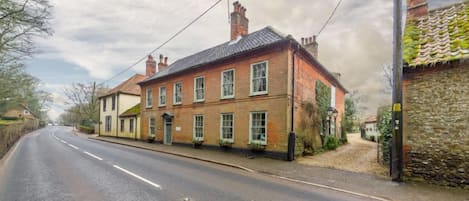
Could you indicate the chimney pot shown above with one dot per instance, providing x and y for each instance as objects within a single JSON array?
[
  {"x": 311, "y": 45},
  {"x": 417, "y": 8},
  {"x": 239, "y": 22},
  {"x": 165, "y": 60},
  {"x": 150, "y": 66}
]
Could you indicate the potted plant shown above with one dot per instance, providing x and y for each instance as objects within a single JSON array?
[
  {"x": 197, "y": 142},
  {"x": 225, "y": 143},
  {"x": 151, "y": 138},
  {"x": 257, "y": 146}
]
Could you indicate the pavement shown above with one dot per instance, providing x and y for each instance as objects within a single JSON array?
[
  {"x": 353, "y": 183},
  {"x": 54, "y": 163}
]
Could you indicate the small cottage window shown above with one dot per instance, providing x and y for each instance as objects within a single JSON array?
[
  {"x": 259, "y": 78},
  {"x": 162, "y": 96},
  {"x": 258, "y": 127},
  {"x": 149, "y": 98},
  {"x": 177, "y": 99},
  {"x": 227, "y": 84},
  {"x": 227, "y": 126},
  {"x": 199, "y": 89},
  {"x": 199, "y": 127}
]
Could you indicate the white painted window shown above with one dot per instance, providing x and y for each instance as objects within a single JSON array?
[
  {"x": 228, "y": 83},
  {"x": 131, "y": 125},
  {"x": 162, "y": 95},
  {"x": 199, "y": 89},
  {"x": 104, "y": 104},
  {"x": 149, "y": 102},
  {"x": 259, "y": 78},
  {"x": 177, "y": 93},
  {"x": 258, "y": 127},
  {"x": 108, "y": 123},
  {"x": 152, "y": 125},
  {"x": 226, "y": 127},
  {"x": 333, "y": 96},
  {"x": 199, "y": 127}
]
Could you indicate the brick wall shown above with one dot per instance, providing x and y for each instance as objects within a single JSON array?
[
  {"x": 436, "y": 124},
  {"x": 275, "y": 103}
]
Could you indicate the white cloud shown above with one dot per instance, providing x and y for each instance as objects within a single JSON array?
[{"x": 104, "y": 37}]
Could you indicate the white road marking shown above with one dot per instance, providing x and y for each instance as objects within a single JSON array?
[
  {"x": 73, "y": 146},
  {"x": 136, "y": 176},
  {"x": 92, "y": 155},
  {"x": 332, "y": 188},
  {"x": 63, "y": 141}
]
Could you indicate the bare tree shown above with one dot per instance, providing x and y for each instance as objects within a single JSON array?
[
  {"x": 84, "y": 100},
  {"x": 20, "y": 22},
  {"x": 387, "y": 75}
]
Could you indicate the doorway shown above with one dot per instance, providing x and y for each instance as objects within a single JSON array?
[{"x": 168, "y": 138}]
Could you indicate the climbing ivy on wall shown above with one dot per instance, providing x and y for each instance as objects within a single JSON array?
[{"x": 323, "y": 101}]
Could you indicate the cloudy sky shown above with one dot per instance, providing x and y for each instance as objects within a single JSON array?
[{"x": 93, "y": 40}]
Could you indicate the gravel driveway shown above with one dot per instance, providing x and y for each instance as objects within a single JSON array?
[{"x": 357, "y": 156}]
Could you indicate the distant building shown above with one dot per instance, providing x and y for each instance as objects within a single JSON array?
[
  {"x": 114, "y": 118},
  {"x": 371, "y": 128},
  {"x": 238, "y": 92},
  {"x": 436, "y": 93},
  {"x": 22, "y": 111}
]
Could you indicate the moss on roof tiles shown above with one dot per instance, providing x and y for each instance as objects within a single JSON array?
[
  {"x": 441, "y": 36},
  {"x": 133, "y": 111}
]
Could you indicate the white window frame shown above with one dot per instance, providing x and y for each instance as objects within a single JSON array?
[
  {"x": 160, "y": 96},
  {"x": 150, "y": 125},
  {"x": 252, "y": 93},
  {"x": 195, "y": 89},
  {"x": 333, "y": 96},
  {"x": 108, "y": 124},
  {"x": 174, "y": 93},
  {"x": 222, "y": 84},
  {"x": 264, "y": 142},
  {"x": 194, "y": 127},
  {"x": 232, "y": 127},
  {"x": 149, "y": 99}
]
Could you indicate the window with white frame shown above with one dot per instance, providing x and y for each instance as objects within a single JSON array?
[
  {"x": 199, "y": 127},
  {"x": 152, "y": 125},
  {"x": 258, "y": 124},
  {"x": 177, "y": 90},
  {"x": 149, "y": 99},
  {"x": 104, "y": 104},
  {"x": 259, "y": 80},
  {"x": 108, "y": 123},
  {"x": 226, "y": 124},
  {"x": 131, "y": 125},
  {"x": 227, "y": 84},
  {"x": 162, "y": 94},
  {"x": 199, "y": 89}
]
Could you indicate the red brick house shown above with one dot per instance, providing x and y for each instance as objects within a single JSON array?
[
  {"x": 237, "y": 93},
  {"x": 436, "y": 93}
]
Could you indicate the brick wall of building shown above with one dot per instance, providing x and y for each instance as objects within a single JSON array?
[
  {"x": 436, "y": 124},
  {"x": 274, "y": 103}
]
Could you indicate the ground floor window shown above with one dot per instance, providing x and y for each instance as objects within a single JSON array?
[
  {"x": 258, "y": 127},
  {"x": 122, "y": 125},
  {"x": 199, "y": 127},
  {"x": 131, "y": 125},
  {"x": 152, "y": 125},
  {"x": 108, "y": 123},
  {"x": 227, "y": 126}
]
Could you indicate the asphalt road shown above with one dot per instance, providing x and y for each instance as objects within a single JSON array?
[{"x": 54, "y": 164}]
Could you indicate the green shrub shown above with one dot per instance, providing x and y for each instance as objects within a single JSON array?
[
  {"x": 11, "y": 118},
  {"x": 385, "y": 129},
  {"x": 331, "y": 143},
  {"x": 86, "y": 129}
]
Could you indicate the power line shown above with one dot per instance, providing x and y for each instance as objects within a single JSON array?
[
  {"x": 330, "y": 17},
  {"x": 164, "y": 43}
]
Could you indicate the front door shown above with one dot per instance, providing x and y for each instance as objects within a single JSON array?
[{"x": 167, "y": 131}]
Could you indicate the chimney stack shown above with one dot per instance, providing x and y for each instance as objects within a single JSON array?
[
  {"x": 151, "y": 66},
  {"x": 239, "y": 22},
  {"x": 417, "y": 8},
  {"x": 310, "y": 44},
  {"x": 163, "y": 64}
]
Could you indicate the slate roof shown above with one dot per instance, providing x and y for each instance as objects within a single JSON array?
[
  {"x": 441, "y": 36},
  {"x": 133, "y": 111},
  {"x": 264, "y": 37},
  {"x": 129, "y": 86}
]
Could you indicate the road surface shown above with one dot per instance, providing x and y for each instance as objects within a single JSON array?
[{"x": 54, "y": 164}]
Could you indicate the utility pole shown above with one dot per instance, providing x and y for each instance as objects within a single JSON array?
[{"x": 397, "y": 155}]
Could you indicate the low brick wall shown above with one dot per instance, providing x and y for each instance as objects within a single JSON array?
[
  {"x": 9, "y": 134},
  {"x": 436, "y": 124}
]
